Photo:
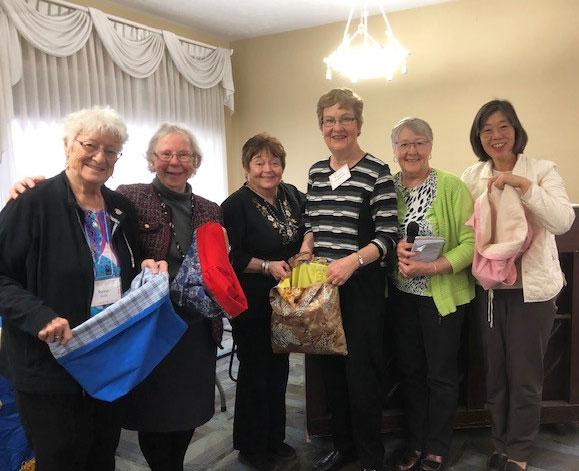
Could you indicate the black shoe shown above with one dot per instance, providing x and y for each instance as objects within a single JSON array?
[
  {"x": 496, "y": 461},
  {"x": 333, "y": 461},
  {"x": 430, "y": 465},
  {"x": 258, "y": 461},
  {"x": 283, "y": 451},
  {"x": 510, "y": 466},
  {"x": 403, "y": 459}
]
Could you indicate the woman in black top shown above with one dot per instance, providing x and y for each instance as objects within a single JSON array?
[
  {"x": 263, "y": 222},
  {"x": 60, "y": 244}
]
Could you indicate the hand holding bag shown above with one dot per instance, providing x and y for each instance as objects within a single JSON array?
[
  {"x": 306, "y": 314},
  {"x": 115, "y": 350}
]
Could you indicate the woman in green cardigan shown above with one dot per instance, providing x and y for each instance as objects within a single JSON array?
[{"x": 428, "y": 297}]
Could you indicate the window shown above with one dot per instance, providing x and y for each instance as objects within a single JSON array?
[{"x": 39, "y": 150}]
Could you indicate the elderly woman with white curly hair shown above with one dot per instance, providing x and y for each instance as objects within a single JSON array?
[{"x": 68, "y": 248}]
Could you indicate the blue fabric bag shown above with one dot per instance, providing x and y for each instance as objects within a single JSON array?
[
  {"x": 14, "y": 447},
  {"x": 115, "y": 350}
]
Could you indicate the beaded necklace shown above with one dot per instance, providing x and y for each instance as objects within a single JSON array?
[{"x": 279, "y": 216}]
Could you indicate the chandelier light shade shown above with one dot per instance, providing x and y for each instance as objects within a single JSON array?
[{"x": 359, "y": 56}]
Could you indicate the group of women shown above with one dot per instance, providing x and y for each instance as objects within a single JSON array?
[{"x": 356, "y": 214}]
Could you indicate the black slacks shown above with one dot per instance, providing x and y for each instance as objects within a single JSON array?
[
  {"x": 353, "y": 383},
  {"x": 165, "y": 451},
  {"x": 70, "y": 432},
  {"x": 515, "y": 348},
  {"x": 260, "y": 414},
  {"x": 427, "y": 346}
]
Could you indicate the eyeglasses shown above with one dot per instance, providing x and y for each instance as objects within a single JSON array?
[
  {"x": 418, "y": 145},
  {"x": 343, "y": 121},
  {"x": 181, "y": 156},
  {"x": 502, "y": 129},
  {"x": 93, "y": 149}
]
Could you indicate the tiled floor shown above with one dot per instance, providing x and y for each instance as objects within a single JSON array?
[{"x": 557, "y": 448}]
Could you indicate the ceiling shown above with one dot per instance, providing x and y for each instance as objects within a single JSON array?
[{"x": 241, "y": 19}]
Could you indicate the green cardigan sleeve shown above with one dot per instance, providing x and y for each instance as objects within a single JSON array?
[
  {"x": 453, "y": 207},
  {"x": 456, "y": 208}
]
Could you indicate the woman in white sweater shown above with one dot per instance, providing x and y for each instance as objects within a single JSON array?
[{"x": 516, "y": 340}]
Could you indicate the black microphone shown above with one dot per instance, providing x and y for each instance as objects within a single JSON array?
[{"x": 411, "y": 231}]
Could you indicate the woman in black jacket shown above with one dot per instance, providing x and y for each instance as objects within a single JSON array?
[
  {"x": 67, "y": 250},
  {"x": 263, "y": 221}
]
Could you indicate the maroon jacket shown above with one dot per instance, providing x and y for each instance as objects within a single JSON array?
[
  {"x": 154, "y": 230},
  {"x": 153, "y": 226}
]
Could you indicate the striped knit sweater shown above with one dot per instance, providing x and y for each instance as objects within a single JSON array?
[{"x": 360, "y": 211}]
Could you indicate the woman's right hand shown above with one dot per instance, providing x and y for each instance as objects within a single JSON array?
[
  {"x": 308, "y": 245},
  {"x": 406, "y": 266},
  {"x": 404, "y": 250},
  {"x": 155, "y": 266},
  {"x": 57, "y": 330},
  {"x": 24, "y": 185},
  {"x": 279, "y": 269}
]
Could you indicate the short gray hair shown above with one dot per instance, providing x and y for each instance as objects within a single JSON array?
[
  {"x": 416, "y": 125},
  {"x": 95, "y": 120},
  {"x": 174, "y": 128}
]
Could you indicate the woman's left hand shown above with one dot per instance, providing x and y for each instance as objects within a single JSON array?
[
  {"x": 155, "y": 266},
  {"x": 339, "y": 271},
  {"x": 503, "y": 179},
  {"x": 279, "y": 269},
  {"x": 410, "y": 268}
]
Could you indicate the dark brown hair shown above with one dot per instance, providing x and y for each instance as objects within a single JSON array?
[
  {"x": 257, "y": 144},
  {"x": 346, "y": 98},
  {"x": 481, "y": 118}
]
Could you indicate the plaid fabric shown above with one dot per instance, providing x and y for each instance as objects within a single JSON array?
[{"x": 146, "y": 289}]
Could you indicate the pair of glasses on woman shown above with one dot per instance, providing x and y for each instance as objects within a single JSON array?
[
  {"x": 91, "y": 149},
  {"x": 181, "y": 156},
  {"x": 343, "y": 121},
  {"x": 418, "y": 145}
]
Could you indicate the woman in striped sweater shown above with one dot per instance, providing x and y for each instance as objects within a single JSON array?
[{"x": 351, "y": 219}]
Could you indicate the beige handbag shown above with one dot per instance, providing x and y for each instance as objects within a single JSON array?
[{"x": 306, "y": 319}]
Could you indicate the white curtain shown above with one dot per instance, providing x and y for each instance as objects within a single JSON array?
[{"x": 57, "y": 62}]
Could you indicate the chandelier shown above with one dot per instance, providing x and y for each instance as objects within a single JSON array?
[{"x": 359, "y": 56}]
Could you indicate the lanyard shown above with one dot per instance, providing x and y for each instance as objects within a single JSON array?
[
  {"x": 172, "y": 226},
  {"x": 106, "y": 237}
]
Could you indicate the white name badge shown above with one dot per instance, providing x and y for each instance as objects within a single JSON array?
[
  {"x": 106, "y": 291},
  {"x": 340, "y": 176}
]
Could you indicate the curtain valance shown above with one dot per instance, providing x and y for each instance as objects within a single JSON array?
[
  {"x": 138, "y": 58},
  {"x": 60, "y": 36},
  {"x": 64, "y": 35}
]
